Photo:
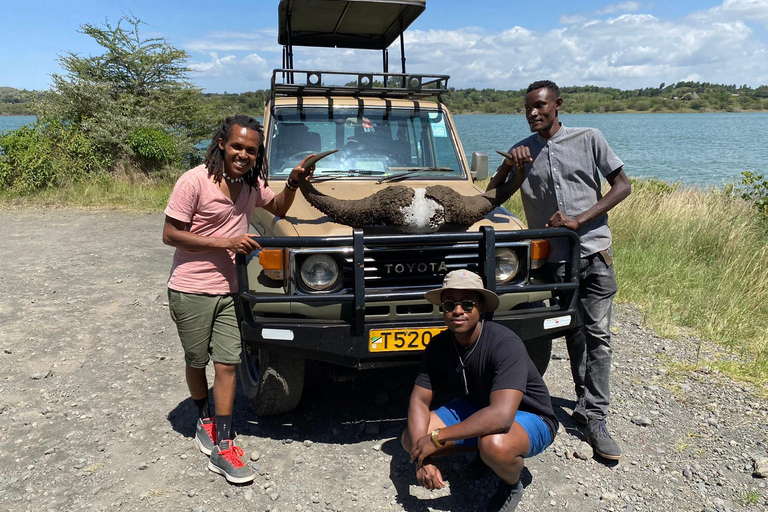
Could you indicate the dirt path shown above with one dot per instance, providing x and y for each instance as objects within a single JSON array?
[{"x": 94, "y": 411}]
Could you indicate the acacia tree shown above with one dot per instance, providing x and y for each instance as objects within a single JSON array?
[{"x": 136, "y": 84}]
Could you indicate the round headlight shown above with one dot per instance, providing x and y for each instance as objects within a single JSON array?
[
  {"x": 507, "y": 265},
  {"x": 319, "y": 272}
]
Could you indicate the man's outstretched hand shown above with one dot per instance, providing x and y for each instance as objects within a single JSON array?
[{"x": 429, "y": 476}]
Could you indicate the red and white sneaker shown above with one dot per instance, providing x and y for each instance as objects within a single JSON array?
[
  {"x": 205, "y": 435},
  {"x": 226, "y": 459}
]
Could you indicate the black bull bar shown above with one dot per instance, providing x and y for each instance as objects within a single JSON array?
[{"x": 485, "y": 239}]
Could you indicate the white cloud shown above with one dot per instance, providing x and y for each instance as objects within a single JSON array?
[
  {"x": 620, "y": 7},
  {"x": 750, "y": 11},
  {"x": 630, "y": 50}
]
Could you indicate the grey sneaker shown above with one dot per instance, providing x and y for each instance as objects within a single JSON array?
[
  {"x": 601, "y": 440},
  {"x": 579, "y": 414},
  {"x": 506, "y": 498},
  {"x": 205, "y": 435},
  {"x": 226, "y": 459}
]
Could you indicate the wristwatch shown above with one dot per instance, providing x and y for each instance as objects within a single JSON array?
[{"x": 435, "y": 440}]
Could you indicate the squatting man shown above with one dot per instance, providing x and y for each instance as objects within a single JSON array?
[{"x": 502, "y": 407}]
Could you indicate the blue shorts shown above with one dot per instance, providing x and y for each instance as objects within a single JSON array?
[{"x": 460, "y": 409}]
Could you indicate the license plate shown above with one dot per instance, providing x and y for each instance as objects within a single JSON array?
[{"x": 396, "y": 340}]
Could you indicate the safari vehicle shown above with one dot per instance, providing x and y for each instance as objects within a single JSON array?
[{"x": 352, "y": 294}]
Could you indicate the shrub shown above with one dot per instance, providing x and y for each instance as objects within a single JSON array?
[
  {"x": 45, "y": 155},
  {"x": 754, "y": 189},
  {"x": 152, "y": 148}
]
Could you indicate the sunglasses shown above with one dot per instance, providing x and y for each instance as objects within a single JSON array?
[{"x": 466, "y": 305}]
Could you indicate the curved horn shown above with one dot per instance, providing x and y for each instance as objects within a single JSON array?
[
  {"x": 312, "y": 161},
  {"x": 467, "y": 210},
  {"x": 384, "y": 208},
  {"x": 460, "y": 209}
]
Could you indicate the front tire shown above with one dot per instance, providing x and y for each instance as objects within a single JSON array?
[{"x": 272, "y": 382}]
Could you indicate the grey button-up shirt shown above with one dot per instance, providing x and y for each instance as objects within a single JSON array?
[{"x": 565, "y": 176}]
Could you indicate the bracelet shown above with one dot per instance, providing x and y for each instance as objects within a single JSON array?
[
  {"x": 291, "y": 185},
  {"x": 438, "y": 443}
]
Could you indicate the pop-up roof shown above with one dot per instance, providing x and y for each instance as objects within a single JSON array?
[{"x": 365, "y": 24}]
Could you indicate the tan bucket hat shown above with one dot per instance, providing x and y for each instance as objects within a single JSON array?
[{"x": 464, "y": 280}]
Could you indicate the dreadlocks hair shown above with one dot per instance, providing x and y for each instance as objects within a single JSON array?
[
  {"x": 214, "y": 155},
  {"x": 545, "y": 84}
]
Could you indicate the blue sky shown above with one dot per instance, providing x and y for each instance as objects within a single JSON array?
[{"x": 502, "y": 44}]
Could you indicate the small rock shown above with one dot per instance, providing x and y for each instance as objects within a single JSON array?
[
  {"x": 641, "y": 421},
  {"x": 248, "y": 495},
  {"x": 143, "y": 467},
  {"x": 41, "y": 375},
  {"x": 608, "y": 496},
  {"x": 308, "y": 443},
  {"x": 255, "y": 456},
  {"x": 761, "y": 467},
  {"x": 8, "y": 351},
  {"x": 583, "y": 451}
]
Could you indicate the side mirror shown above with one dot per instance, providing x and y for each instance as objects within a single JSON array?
[{"x": 479, "y": 167}]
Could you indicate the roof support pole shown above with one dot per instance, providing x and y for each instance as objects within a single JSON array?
[
  {"x": 289, "y": 47},
  {"x": 385, "y": 64},
  {"x": 402, "y": 48}
]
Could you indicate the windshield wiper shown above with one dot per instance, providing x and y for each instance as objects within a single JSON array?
[
  {"x": 406, "y": 174},
  {"x": 349, "y": 173}
]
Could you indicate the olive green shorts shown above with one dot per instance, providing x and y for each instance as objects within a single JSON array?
[{"x": 207, "y": 326}]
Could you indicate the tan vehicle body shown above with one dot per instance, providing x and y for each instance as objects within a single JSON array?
[{"x": 354, "y": 296}]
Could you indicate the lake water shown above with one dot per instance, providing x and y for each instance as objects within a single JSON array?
[
  {"x": 691, "y": 148},
  {"x": 8, "y": 123}
]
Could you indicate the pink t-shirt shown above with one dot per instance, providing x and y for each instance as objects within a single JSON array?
[{"x": 197, "y": 201}]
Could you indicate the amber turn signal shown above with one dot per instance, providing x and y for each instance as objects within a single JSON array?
[
  {"x": 539, "y": 253},
  {"x": 271, "y": 259}
]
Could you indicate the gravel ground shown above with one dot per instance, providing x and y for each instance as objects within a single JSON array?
[{"x": 94, "y": 411}]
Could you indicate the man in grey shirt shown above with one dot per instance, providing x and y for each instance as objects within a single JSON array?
[{"x": 558, "y": 171}]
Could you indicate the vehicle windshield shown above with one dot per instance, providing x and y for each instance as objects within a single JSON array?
[{"x": 372, "y": 143}]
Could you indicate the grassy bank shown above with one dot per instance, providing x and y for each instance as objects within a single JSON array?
[
  {"x": 694, "y": 262},
  {"x": 105, "y": 192}
]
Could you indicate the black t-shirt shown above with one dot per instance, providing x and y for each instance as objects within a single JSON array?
[{"x": 497, "y": 360}]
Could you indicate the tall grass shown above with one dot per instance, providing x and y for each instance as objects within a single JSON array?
[
  {"x": 102, "y": 192},
  {"x": 694, "y": 262},
  {"x": 696, "y": 259}
]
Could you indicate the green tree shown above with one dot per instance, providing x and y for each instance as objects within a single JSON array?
[{"x": 136, "y": 83}]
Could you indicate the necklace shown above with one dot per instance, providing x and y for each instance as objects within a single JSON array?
[
  {"x": 462, "y": 362},
  {"x": 232, "y": 180}
]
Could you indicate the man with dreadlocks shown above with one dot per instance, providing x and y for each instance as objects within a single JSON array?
[{"x": 207, "y": 222}]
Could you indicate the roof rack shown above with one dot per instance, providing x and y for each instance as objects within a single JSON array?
[{"x": 295, "y": 82}]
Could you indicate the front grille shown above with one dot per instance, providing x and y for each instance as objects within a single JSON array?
[{"x": 389, "y": 268}]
